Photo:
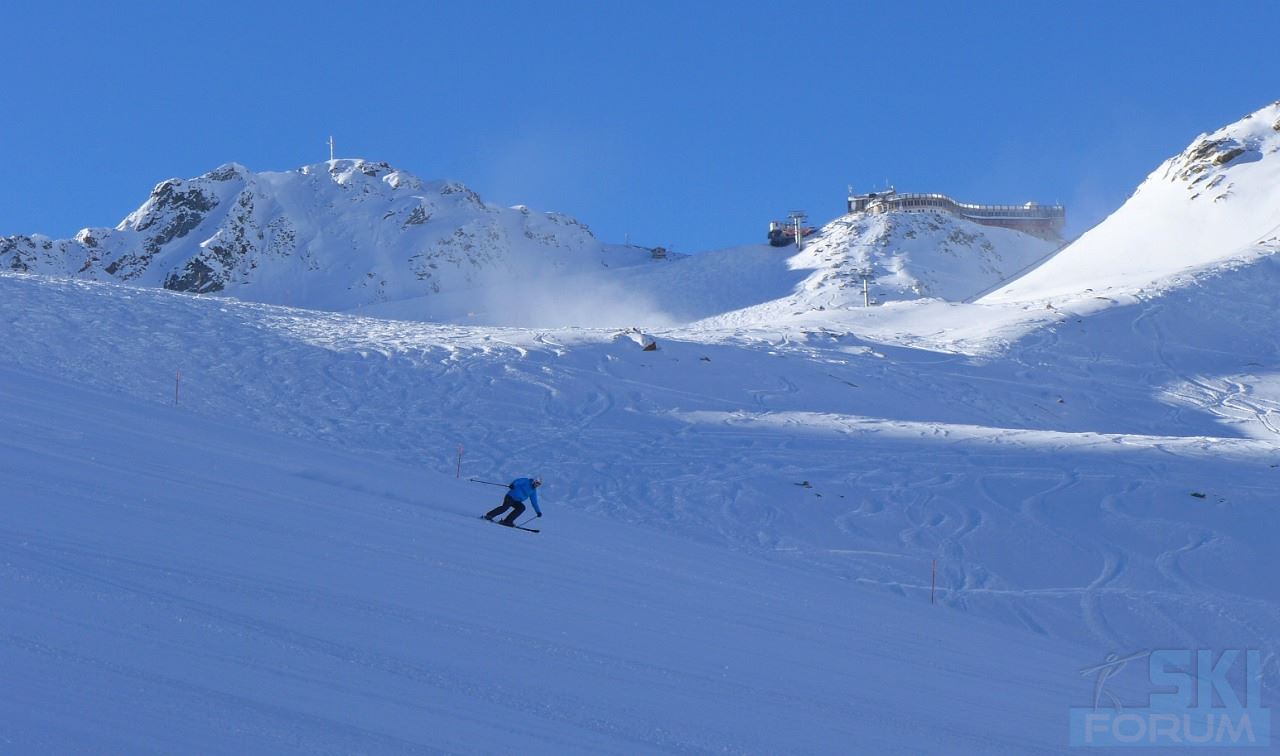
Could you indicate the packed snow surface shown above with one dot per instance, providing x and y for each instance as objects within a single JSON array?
[
  {"x": 736, "y": 554},
  {"x": 174, "y": 583}
]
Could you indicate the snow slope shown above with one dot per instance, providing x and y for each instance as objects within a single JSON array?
[
  {"x": 665, "y": 293},
  {"x": 780, "y": 466},
  {"x": 930, "y": 254},
  {"x": 1215, "y": 202},
  {"x": 173, "y": 582}
]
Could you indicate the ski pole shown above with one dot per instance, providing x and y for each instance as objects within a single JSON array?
[
  {"x": 488, "y": 482},
  {"x": 527, "y": 520}
]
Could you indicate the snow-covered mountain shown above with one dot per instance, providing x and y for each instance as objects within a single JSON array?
[
  {"x": 357, "y": 235},
  {"x": 246, "y": 526},
  {"x": 1217, "y": 201},
  {"x": 334, "y": 235},
  {"x": 909, "y": 255}
]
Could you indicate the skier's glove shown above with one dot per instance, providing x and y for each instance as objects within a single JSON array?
[{"x": 539, "y": 514}]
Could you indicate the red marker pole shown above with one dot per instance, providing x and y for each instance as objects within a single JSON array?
[
  {"x": 933, "y": 581},
  {"x": 459, "y": 461},
  {"x": 177, "y": 381}
]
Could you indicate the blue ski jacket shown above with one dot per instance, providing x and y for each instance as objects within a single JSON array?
[{"x": 521, "y": 489}]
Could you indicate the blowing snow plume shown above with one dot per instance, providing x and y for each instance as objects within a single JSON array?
[{"x": 571, "y": 301}]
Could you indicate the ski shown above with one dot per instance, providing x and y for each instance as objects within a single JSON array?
[{"x": 517, "y": 527}]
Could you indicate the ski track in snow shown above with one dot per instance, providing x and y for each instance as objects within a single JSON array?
[
  {"x": 181, "y": 582},
  {"x": 1051, "y": 483}
]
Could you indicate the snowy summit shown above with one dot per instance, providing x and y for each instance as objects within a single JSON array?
[{"x": 333, "y": 235}]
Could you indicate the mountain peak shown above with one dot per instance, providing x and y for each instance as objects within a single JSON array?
[
  {"x": 228, "y": 172},
  {"x": 332, "y": 235},
  {"x": 1215, "y": 202},
  {"x": 1203, "y": 166}
]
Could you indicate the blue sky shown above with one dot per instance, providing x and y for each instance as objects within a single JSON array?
[{"x": 689, "y": 124}]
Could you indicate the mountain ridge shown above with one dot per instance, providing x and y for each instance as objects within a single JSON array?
[
  {"x": 359, "y": 235},
  {"x": 331, "y": 235}
]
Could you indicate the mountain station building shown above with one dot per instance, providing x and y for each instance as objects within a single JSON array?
[{"x": 1045, "y": 221}]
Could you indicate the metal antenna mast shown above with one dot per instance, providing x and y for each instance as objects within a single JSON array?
[
  {"x": 797, "y": 217},
  {"x": 865, "y": 274}
]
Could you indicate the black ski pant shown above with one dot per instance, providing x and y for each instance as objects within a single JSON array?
[{"x": 517, "y": 509}]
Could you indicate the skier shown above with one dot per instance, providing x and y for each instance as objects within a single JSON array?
[{"x": 517, "y": 491}]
